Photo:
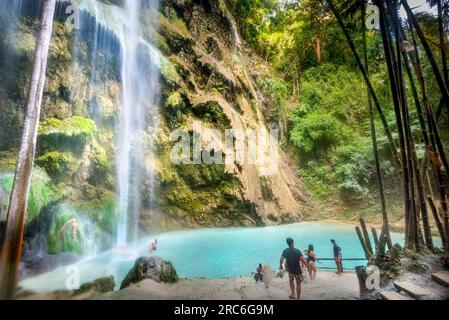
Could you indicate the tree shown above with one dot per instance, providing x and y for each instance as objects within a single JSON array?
[{"x": 13, "y": 235}]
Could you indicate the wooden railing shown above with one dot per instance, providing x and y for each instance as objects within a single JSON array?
[{"x": 335, "y": 268}]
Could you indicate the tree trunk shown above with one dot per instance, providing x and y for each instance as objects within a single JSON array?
[{"x": 12, "y": 245}]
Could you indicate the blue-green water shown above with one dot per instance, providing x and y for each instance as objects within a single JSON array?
[{"x": 215, "y": 253}]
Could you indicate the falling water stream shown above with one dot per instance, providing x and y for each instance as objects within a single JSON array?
[
  {"x": 138, "y": 114},
  {"x": 115, "y": 33}
]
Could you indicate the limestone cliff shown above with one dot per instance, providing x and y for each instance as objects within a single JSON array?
[{"x": 205, "y": 74}]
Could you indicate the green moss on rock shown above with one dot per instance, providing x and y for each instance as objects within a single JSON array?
[
  {"x": 41, "y": 193},
  {"x": 56, "y": 164},
  {"x": 67, "y": 232},
  {"x": 71, "y": 133},
  {"x": 169, "y": 73},
  {"x": 100, "y": 205}
]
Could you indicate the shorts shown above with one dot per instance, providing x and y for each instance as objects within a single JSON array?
[{"x": 294, "y": 276}]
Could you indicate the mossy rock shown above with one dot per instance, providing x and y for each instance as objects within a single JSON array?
[
  {"x": 101, "y": 206},
  {"x": 203, "y": 175},
  {"x": 67, "y": 232},
  {"x": 150, "y": 268},
  {"x": 56, "y": 164},
  {"x": 68, "y": 134},
  {"x": 175, "y": 106},
  {"x": 101, "y": 166},
  {"x": 212, "y": 113},
  {"x": 42, "y": 193},
  {"x": 169, "y": 73}
]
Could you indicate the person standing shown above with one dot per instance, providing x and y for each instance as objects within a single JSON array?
[
  {"x": 337, "y": 257},
  {"x": 293, "y": 258},
  {"x": 311, "y": 260}
]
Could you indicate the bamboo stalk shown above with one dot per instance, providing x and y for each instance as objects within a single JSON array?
[
  {"x": 366, "y": 235},
  {"x": 375, "y": 237},
  {"x": 368, "y": 254},
  {"x": 436, "y": 71},
  {"x": 374, "y": 143},
  {"x": 392, "y": 67},
  {"x": 438, "y": 222},
  {"x": 419, "y": 179}
]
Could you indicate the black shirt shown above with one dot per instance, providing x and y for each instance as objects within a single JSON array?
[
  {"x": 292, "y": 255},
  {"x": 337, "y": 251}
]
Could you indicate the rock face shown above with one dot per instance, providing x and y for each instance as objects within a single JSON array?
[
  {"x": 205, "y": 75},
  {"x": 150, "y": 268}
]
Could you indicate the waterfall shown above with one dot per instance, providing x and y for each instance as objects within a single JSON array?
[
  {"x": 117, "y": 51},
  {"x": 137, "y": 120},
  {"x": 137, "y": 95}
]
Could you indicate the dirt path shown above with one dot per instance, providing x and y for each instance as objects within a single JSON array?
[{"x": 327, "y": 286}]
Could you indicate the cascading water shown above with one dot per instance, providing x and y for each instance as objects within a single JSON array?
[
  {"x": 110, "y": 47},
  {"x": 137, "y": 99},
  {"x": 137, "y": 119}
]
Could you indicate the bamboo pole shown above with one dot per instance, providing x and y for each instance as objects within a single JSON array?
[
  {"x": 392, "y": 67},
  {"x": 436, "y": 71},
  {"x": 375, "y": 237}
]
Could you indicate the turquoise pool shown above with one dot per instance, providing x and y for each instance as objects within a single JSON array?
[{"x": 215, "y": 253}]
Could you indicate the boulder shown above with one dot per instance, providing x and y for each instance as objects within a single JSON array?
[{"x": 150, "y": 268}]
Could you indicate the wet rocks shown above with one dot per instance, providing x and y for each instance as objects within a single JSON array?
[{"x": 150, "y": 268}]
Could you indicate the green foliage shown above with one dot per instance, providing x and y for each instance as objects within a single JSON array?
[
  {"x": 276, "y": 92},
  {"x": 334, "y": 89},
  {"x": 174, "y": 109},
  {"x": 315, "y": 134},
  {"x": 353, "y": 168}
]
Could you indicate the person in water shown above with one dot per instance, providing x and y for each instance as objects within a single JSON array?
[
  {"x": 153, "y": 245},
  {"x": 293, "y": 258},
  {"x": 337, "y": 257},
  {"x": 311, "y": 260},
  {"x": 258, "y": 275}
]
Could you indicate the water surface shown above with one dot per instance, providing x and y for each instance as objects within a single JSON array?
[{"x": 215, "y": 253}]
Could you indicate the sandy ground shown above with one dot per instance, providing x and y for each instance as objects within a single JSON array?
[{"x": 327, "y": 286}]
